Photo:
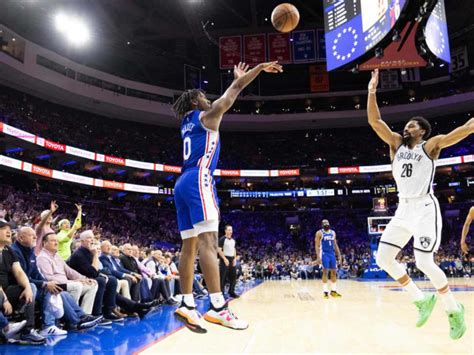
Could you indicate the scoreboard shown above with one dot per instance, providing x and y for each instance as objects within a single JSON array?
[{"x": 353, "y": 27}]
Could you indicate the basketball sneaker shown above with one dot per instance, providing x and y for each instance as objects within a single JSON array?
[
  {"x": 335, "y": 294},
  {"x": 224, "y": 316},
  {"x": 191, "y": 318},
  {"x": 456, "y": 323},
  {"x": 425, "y": 307},
  {"x": 326, "y": 295}
]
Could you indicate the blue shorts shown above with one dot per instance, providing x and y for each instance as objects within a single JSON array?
[
  {"x": 195, "y": 197},
  {"x": 329, "y": 261}
]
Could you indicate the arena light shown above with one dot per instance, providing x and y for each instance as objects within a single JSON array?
[{"x": 73, "y": 28}]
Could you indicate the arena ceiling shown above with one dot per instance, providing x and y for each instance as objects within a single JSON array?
[{"x": 150, "y": 40}]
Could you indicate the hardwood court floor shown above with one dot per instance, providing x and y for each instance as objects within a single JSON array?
[{"x": 292, "y": 317}]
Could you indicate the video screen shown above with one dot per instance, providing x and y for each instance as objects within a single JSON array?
[
  {"x": 352, "y": 27},
  {"x": 436, "y": 33}
]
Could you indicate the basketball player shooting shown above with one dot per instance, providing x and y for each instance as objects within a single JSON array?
[
  {"x": 326, "y": 251},
  {"x": 418, "y": 214},
  {"x": 196, "y": 196}
]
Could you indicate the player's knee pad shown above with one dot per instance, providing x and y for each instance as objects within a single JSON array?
[
  {"x": 385, "y": 258},
  {"x": 426, "y": 264}
]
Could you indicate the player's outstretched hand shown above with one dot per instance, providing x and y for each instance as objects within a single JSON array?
[
  {"x": 464, "y": 247},
  {"x": 374, "y": 81},
  {"x": 272, "y": 67},
  {"x": 240, "y": 69}
]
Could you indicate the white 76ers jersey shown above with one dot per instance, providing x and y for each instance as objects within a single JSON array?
[{"x": 413, "y": 171}]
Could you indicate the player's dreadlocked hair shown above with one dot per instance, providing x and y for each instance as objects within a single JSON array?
[{"x": 183, "y": 103}]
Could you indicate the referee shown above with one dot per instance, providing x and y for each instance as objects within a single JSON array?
[{"x": 227, "y": 260}]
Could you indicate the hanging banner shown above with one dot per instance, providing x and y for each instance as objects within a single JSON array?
[
  {"x": 230, "y": 51},
  {"x": 318, "y": 78},
  {"x": 192, "y": 77},
  {"x": 304, "y": 46},
  {"x": 255, "y": 49},
  {"x": 279, "y": 47},
  {"x": 321, "y": 45}
]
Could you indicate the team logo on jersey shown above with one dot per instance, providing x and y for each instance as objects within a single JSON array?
[{"x": 425, "y": 242}]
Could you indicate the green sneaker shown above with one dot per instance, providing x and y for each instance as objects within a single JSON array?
[
  {"x": 456, "y": 323},
  {"x": 425, "y": 307}
]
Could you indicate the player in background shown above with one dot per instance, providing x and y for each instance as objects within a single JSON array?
[
  {"x": 326, "y": 252},
  {"x": 418, "y": 214}
]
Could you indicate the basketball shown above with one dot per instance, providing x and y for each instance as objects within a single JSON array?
[{"x": 285, "y": 17}]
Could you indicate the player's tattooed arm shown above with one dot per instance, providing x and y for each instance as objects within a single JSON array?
[{"x": 375, "y": 120}]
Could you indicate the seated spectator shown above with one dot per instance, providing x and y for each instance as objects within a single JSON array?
[
  {"x": 85, "y": 260},
  {"x": 66, "y": 233},
  {"x": 24, "y": 250},
  {"x": 17, "y": 291},
  {"x": 126, "y": 281},
  {"x": 54, "y": 268}
]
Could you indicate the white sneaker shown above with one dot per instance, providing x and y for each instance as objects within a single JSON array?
[
  {"x": 225, "y": 317},
  {"x": 52, "y": 331},
  {"x": 191, "y": 318},
  {"x": 178, "y": 298},
  {"x": 13, "y": 329}
]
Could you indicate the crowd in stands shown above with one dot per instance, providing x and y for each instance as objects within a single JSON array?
[
  {"x": 69, "y": 267},
  {"x": 264, "y": 150}
]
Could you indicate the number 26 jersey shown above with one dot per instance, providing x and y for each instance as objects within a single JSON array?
[{"x": 413, "y": 171}]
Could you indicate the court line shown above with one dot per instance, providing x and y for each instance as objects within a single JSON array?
[{"x": 148, "y": 346}]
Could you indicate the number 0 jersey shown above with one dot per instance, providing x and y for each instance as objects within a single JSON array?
[
  {"x": 413, "y": 171},
  {"x": 201, "y": 146}
]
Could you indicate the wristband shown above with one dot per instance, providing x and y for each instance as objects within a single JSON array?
[{"x": 372, "y": 92}]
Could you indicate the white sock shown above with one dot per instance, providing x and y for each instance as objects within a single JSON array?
[
  {"x": 325, "y": 287},
  {"x": 333, "y": 286},
  {"x": 414, "y": 291},
  {"x": 217, "y": 299},
  {"x": 188, "y": 299},
  {"x": 449, "y": 302}
]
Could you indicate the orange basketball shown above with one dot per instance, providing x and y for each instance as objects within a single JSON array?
[{"x": 285, "y": 17}]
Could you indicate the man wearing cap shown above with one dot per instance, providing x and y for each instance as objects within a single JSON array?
[
  {"x": 17, "y": 292},
  {"x": 44, "y": 226},
  {"x": 54, "y": 268},
  {"x": 66, "y": 233}
]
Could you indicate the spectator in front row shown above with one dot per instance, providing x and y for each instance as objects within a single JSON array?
[
  {"x": 73, "y": 314},
  {"x": 109, "y": 262},
  {"x": 17, "y": 293},
  {"x": 86, "y": 260},
  {"x": 54, "y": 268}
]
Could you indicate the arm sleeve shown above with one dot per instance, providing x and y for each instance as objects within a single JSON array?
[{"x": 221, "y": 242}]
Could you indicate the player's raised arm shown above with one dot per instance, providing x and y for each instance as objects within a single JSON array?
[
  {"x": 436, "y": 143},
  {"x": 375, "y": 120},
  {"x": 465, "y": 230},
  {"x": 242, "y": 77}
]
